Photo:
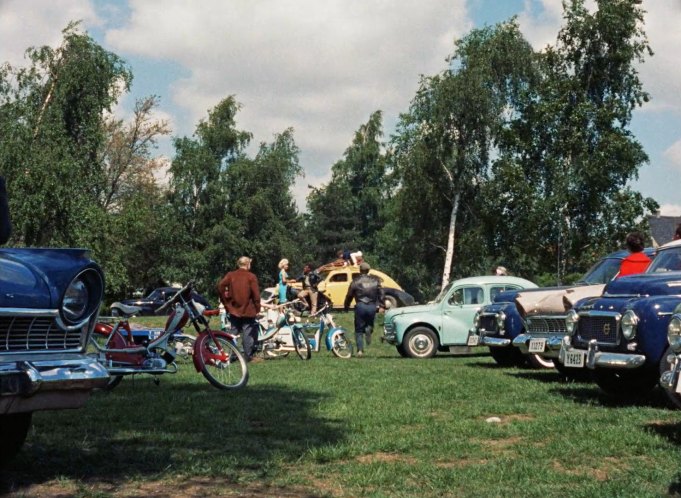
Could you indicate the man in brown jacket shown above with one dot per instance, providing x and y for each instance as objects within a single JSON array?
[{"x": 240, "y": 295}]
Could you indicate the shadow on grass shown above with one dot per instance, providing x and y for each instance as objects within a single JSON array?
[
  {"x": 549, "y": 376},
  {"x": 142, "y": 430},
  {"x": 591, "y": 394},
  {"x": 672, "y": 432}
]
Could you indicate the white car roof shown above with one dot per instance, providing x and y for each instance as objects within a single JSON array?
[{"x": 496, "y": 279}]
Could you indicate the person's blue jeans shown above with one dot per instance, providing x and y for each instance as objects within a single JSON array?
[
  {"x": 248, "y": 328},
  {"x": 364, "y": 322}
]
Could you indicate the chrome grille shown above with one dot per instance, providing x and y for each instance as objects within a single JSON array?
[
  {"x": 26, "y": 333},
  {"x": 488, "y": 323},
  {"x": 603, "y": 328},
  {"x": 546, "y": 325}
]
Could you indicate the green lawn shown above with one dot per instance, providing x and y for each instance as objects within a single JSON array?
[{"x": 376, "y": 426}]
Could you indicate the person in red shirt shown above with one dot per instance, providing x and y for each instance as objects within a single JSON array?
[
  {"x": 240, "y": 295},
  {"x": 637, "y": 261}
]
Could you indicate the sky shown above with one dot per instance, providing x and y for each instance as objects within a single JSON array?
[{"x": 323, "y": 67}]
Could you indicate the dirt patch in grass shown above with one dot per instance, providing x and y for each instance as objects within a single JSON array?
[
  {"x": 193, "y": 487},
  {"x": 603, "y": 471},
  {"x": 461, "y": 463},
  {"x": 382, "y": 457},
  {"x": 507, "y": 419},
  {"x": 501, "y": 444}
]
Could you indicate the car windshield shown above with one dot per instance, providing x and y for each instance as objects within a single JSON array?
[
  {"x": 443, "y": 293},
  {"x": 602, "y": 272},
  {"x": 666, "y": 260},
  {"x": 155, "y": 294}
]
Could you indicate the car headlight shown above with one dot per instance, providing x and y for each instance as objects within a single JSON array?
[
  {"x": 674, "y": 333},
  {"x": 571, "y": 322},
  {"x": 476, "y": 320},
  {"x": 501, "y": 320},
  {"x": 82, "y": 297},
  {"x": 629, "y": 322}
]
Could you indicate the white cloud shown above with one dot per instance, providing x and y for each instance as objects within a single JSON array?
[
  {"x": 673, "y": 154},
  {"x": 320, "y": 67},
  {"x": 670, "y": 210},
  {"x": 31, "y": 23},
  {"x": 661, "y": 73}
]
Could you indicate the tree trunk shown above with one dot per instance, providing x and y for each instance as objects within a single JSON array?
[{"x": 449, "y": 256}]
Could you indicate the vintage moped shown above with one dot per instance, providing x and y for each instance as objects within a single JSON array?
[{"x": 121, "y": 350}]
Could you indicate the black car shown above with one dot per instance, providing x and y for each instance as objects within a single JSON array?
[{"x": 153, "y": 301}]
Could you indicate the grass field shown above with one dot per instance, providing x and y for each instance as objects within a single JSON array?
[{"x": 376, "y": 426}]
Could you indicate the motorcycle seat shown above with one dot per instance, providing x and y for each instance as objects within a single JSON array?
[{"x": 125, "y": 310}]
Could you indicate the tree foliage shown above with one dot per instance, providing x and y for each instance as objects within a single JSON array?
[
  {"x": 507, "y": 156},
  {"x": 347, "y": 212},
  {"x": 51, "y": 138}
]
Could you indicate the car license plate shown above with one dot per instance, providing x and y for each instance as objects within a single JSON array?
[
  {"x": 574, "y": 359},
  {"x": 537, "y": 345},
  {"x": 473, "y": 340}
]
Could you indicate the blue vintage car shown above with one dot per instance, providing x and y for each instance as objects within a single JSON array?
[
  {"x": 445, "y": 324},
  {"x": 516, "y": 335},
  {"x": 621, "y": 336},
  {"x": 49, "y": 302}
]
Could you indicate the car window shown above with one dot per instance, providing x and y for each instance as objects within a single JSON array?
[
  {"x": 339, "y": 277},
  {"x": 156, "y": 294},
  {"x": 666, "y": 260},
  {"x": 467, "y": 295},
  {"x": 602, "y": 272},
  {"x": 498, "y": 289}
]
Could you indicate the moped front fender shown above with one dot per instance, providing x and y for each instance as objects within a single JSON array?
[
  {"x": 201, "y": 343},
  {"x": 331, "y": 336}
]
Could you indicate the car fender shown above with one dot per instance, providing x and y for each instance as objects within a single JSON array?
[
  {"x": 654, "y": 314},
  {"x": 405, "y": 323}
]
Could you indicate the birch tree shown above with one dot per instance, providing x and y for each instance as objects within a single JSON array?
[{"x": 446, "y": 138}]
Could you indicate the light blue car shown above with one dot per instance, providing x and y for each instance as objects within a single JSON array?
[{"x": 445, "y": 324}]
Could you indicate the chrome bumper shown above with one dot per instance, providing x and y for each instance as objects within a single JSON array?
[
  {"x": 495, "y": 342},
  {"x": 551, "y": 349},
  {"x": 601, "y": 359},
  {"x": 49, "y": 384}
]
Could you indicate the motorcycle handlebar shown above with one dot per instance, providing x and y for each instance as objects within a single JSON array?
[{"x": 186, "y": 289}]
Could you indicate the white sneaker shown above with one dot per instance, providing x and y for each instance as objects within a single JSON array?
[{"x": 360, "y": 354}]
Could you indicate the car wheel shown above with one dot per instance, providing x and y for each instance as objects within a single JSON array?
[
  {"x": 401, "y": 351},
  {"x": 420, "y": 342},
  {"x": 13, "y": 430},
  {"x": 538, "y": 361},
  {"x": 665, "y": 365},
  {"x": 508, "y": 357},
  {"x": 626, "y": 384},
  {"x": 390, "y": 302}
]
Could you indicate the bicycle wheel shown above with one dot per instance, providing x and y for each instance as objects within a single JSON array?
[
  {"x": 302, "y": 344},
  {"x": 222, "y": 364},
  {"x": 341, "y": 346}
]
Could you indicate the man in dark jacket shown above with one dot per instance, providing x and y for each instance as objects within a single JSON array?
[
  {"x": 368, "y": 294},
  {"x": 240, "y": 295},
  {"x": 5, "y": 225}
]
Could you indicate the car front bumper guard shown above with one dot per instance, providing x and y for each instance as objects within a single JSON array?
[
  {"x": 601, "y": 359},
  {"x": 670, "y": 378},
  {"x": 552, "y": 347},
  {"x": 46, "y": 384}
]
